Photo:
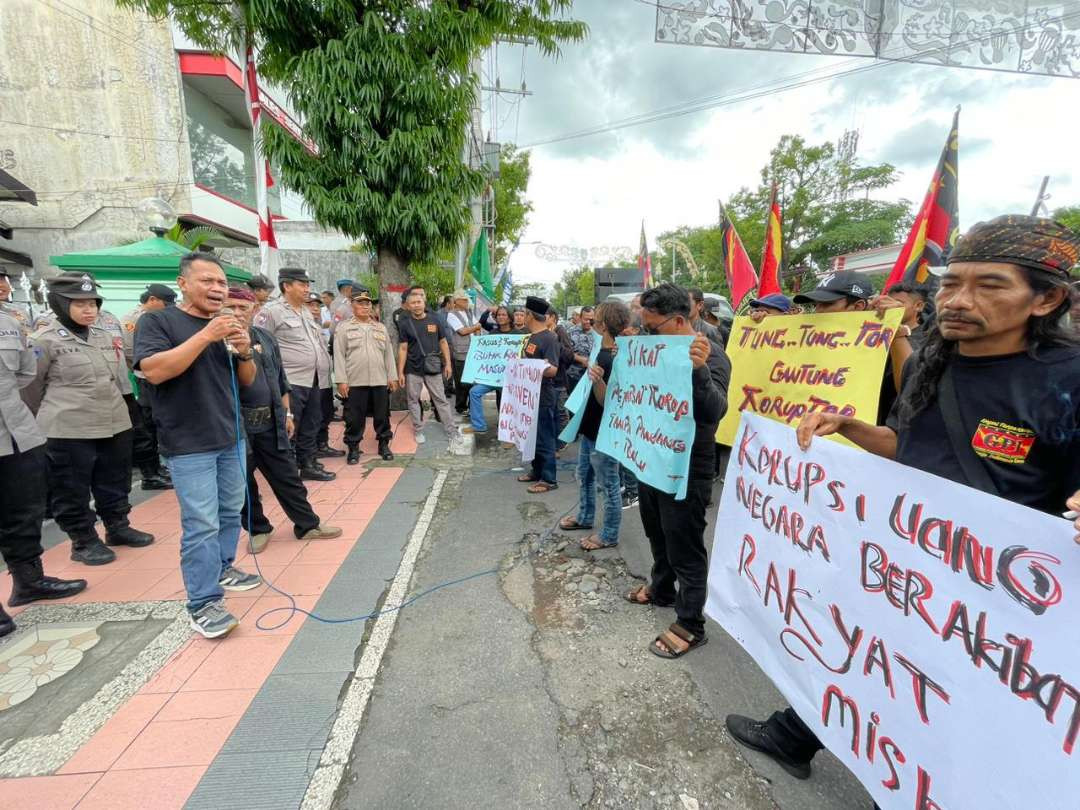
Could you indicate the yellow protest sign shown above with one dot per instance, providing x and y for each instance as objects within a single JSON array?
[{"x": 789, "y": 365}]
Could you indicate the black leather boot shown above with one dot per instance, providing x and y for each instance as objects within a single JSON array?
[
  {"x": 154, "y": 478},
  {"x": 7, "y": 624},
  {"x": 120, "y": 533},
  {"x": 29, "y": 584},
  {"x": 309, "y": 472},
  {"x": 89, "y": 550},
  {"x": 354, "y": 454},
  {"x": 324, "y": 450},
  {"x": 384, "y": 450}
]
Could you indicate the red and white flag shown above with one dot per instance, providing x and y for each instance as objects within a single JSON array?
[{"x": 268, "y": 255}]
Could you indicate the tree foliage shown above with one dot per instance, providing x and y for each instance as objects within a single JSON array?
[
  {"x": 512, "y": 207},
  {"x": 575, "y": 288},
  {"x": 385, "y": 91},
  {"x": 1069, "y": 217}
]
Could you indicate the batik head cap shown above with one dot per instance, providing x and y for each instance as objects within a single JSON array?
[{"x": 1033, "y": 242}]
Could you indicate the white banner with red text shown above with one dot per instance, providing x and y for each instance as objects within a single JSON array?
[{"x": 520, "y": 403}]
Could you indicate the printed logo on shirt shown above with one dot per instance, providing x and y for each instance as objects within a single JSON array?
[
  {"x": 1002, "y": 442},
  {"x": 129, "y": 326},
  {"x": 530, "y": 349},
  {"x": 431, "y": 327}
]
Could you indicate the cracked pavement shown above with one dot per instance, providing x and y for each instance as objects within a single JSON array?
[{"x": 535, "y": 688}]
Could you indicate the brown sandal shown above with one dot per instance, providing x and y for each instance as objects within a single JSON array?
[
  {"x": 677, "y": 641},
  {"x": 569, "y": 524},
  {"x": 541, "y": 487},
  {"x": 592, "y": 543},
  {"x": 641, "y": 595},
  {"x": 527, "y": 478}
]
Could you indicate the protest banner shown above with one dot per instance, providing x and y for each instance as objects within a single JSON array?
[
  {"x": 575, "y": 403},
  {"x": 488, "y": 354},
  {"x": 924, "y": 630},
  {"x": 790, "y": 365},
  {"x": 648, "y": 423},
  {"x": 520, "y": 401}
]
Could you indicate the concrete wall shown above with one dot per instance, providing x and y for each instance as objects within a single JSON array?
[{"x": 102, "y": 87}]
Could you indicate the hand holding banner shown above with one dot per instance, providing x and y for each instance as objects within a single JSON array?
[
  {"x": 520, "y": 402},
  {"x": 488, "y": 354},
  {"x": 575, "y": 403},
  {"x": 648, "y": 423},
  {"x": 789, "y": 365},
  {"x": 924, "y": 630}
]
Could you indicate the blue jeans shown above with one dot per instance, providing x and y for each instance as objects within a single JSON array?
[
  {"x": 476, "y": 405},
  {"x": 547, "y": 429},
  {"x": 596, "y": 469},
  {"x": 211, "y": 489}
]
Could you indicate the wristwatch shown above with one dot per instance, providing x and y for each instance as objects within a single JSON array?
[{"x": 243, "y": 358}]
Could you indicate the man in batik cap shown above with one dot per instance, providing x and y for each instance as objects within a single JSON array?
[{"x": 988, "y": 400}]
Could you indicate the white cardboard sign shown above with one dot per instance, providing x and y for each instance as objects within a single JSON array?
[
  {"x": 520, "y": 402},
  {"x": 927, "y": 632}
]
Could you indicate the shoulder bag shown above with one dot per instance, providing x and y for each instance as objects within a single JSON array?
[{"x": 433, "y": 362}]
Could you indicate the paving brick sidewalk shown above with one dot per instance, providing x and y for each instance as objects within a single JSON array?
[{"x": 215, "y": 708}]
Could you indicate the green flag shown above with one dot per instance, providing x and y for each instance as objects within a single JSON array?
[{"x": 480, "y": 265}]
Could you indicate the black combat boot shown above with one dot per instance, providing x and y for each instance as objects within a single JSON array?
[
  {"x": 153, "y": 477},
  {"x": 310, "y": 472},
  {"x": 120, "y": 533},
  {"x": 89, "y": 550},
  {"x": 354, "y": 454},
  {"x": 324, "y": 450},
  {"x": 29, "y": 584},
  {"x": 7, "y": 624},
  {"x": 384, "y": 450}
]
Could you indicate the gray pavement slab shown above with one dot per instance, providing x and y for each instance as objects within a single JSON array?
[
  {"x": 282, "y": 777},
  {"x": 284, "y": 716}
]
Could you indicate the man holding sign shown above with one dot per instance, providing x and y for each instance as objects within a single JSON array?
[
  {"x": 676, "y": 528},
  {"x": 989, "y": 401},
  {"x": 542, "y": 345}
]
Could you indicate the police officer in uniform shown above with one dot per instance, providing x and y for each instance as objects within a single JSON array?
[
  {"x": 8, "y": 308},
  {"x": 306, "y": 361},
  {"x": 80, "y": 407},
  {"x": 22, "y": 471},
  {"x": 366, "y": 372},
  {"x": 144, "y": 439}
]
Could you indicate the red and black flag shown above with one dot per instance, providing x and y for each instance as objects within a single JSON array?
[
  {"x": 937, "y": 226},
  {"x": 772, "y": 255},
  {"x": 741, "y": 277}
]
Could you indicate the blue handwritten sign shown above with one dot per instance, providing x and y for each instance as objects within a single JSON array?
[
  {"x": 648, "y": 423},
  {"x": 575, "y": 403},
  {"x": 488, "y": 356}
]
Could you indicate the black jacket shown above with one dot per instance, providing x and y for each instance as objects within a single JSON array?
[{"x": 268, "y": 359}]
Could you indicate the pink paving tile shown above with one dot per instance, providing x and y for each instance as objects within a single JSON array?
[
  {"x": 159, "y": 788},
  {"x": 281, "y": 551},
  {"x": 180, "y": 666},
  {"x": 268, "y": 572},
  {"x": 352, "y": 519},
  {"x": 103, "y": 749},
  {"x": 177, "y": 743},
  {"x": 169, "y": 587},
  {"x": 305, "y": 580},
  {"x": 155, "y": 556},
  {"x": 45, "y": 792},
  {"x": 216, "y": 704},
  {"x": 289, "y": 624},
  {"x": 238, "y": 663},
  {"x": 96, "y": 577},
  {"x": 325, "y": 552},
  {"x": 239, "y": 604},
  {"x": 125, "y": 585},
  {"x": 374, "y": 493}
]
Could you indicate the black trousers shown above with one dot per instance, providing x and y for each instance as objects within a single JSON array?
[
  {"x": 326, "y": 407},
  {"x": 22, "y": 505},
  {"x": 81, "y": 467},
  {"x": 676, "y": 532},
  {"x": 792, "y": 736},
  {"x": 279, "y": 468},
  {"x": 307, "y": 415},
  {"x": 144, "y": 446},
  {"x": 461, "y": 390},
  {"x": 365, "y": 401}
]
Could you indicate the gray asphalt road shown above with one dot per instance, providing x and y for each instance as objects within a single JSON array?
[{"x": 533, "y": 686}]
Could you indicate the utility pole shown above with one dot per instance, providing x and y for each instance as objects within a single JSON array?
[
  {"x": 476, "y": 204},
  {"x": 1042, "y": 198}
]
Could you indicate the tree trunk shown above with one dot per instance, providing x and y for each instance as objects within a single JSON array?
[{"x": 393, "y": 275}]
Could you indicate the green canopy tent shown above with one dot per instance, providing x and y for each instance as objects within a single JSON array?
[{"x": 124, "y": 271}]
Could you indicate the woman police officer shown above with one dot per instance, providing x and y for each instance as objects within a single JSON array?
[{"x": 79, "y": 406}]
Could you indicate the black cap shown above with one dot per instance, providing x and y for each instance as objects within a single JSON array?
[
  {"x": 834, "y": 286},
  {"x": 259, "y": 282},
  {"x": 537, "y": 306},
  {"x": 364, "y": 295},
  {"x": 293, "y": 274},
  {"x": 75, "y": 286},
  {"x": 162, "y": 293}
]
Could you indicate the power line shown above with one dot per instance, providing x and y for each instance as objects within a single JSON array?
[
  {"x": 77, "y": 131},
  {"x": 791, "y": 82}
]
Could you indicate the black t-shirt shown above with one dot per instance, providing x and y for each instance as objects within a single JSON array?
[
  {"x": 594, "y": 411},
  {"x": 566, "y": 357},
  {"x": 888, "y": 386},
  {"x": 544, "y": 346},
  {"x": 194, "y": 412},
  {"x": 1022, "y": 415},
  {"x": 256, "y": 395},
  {"x": 422, "y": 337}
]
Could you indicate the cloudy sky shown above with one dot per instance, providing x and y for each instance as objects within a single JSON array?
[{"x": 594, "y": 191}]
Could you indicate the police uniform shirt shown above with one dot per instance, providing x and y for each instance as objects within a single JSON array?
[
  {"x": 111, "y": 324},
  {"x": 17, "y": 370},
  {"x": 19, "y": 315},
  {"x": 364, "y": 354},
  {"x": 299, "y": 339},
  {"x": 127, "y": 324},
  {"x": 78, "y": 384},
  {"x": 340, "y": 312}
]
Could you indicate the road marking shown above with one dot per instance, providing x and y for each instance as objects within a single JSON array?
[{"x": 335, "y": 756}]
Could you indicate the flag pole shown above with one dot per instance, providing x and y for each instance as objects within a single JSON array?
[{"x": 1042, "y": 196}]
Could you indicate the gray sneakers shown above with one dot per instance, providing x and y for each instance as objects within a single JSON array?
[
  {"x": 212, "y": 620},
  {"x": 233, "y": 579}
]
